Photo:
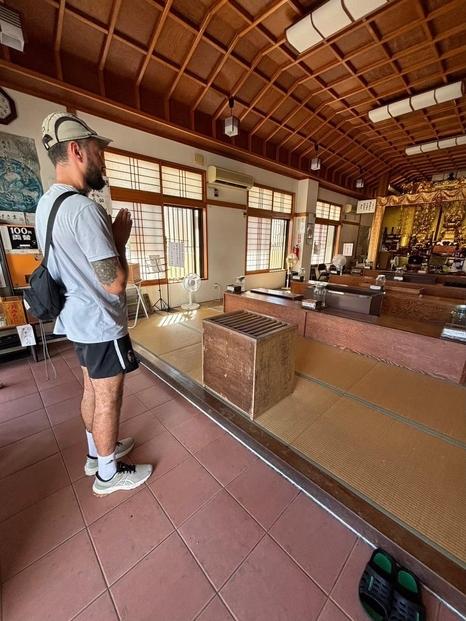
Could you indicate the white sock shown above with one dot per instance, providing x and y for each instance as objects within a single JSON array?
[
  {"x": 91, "y": 448},
  {"x": 107, "y": 466}
]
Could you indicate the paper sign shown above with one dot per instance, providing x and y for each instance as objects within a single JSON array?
[
  {"x": 175, "y": 254},
  {"x": 26, "y": 335},
  {"x": 366, "y": 206},
  {"x": 348, "y": 250}
]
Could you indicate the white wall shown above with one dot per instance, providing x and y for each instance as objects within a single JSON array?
[{"x": 330, "y": 196}]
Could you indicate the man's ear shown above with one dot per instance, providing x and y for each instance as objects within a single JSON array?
[{"x": 75, "y": 151}]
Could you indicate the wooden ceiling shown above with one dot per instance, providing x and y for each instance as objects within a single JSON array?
[{"x": 180, "y": 60}]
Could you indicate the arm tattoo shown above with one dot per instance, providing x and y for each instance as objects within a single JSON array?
[{"x": 106, "y": 270}]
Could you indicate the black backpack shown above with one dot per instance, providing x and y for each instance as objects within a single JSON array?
[{"x": 45, "y": 297}]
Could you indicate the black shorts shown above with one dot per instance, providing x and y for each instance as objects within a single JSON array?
[{"x": 107, "y": 359}]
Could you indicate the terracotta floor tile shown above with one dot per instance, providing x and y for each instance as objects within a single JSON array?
[
  {"x": 45, "y": 589},
  {"x": 16, "y": 387},
  {"x": 197, "y": 432},
  {"x": 164, "y": 452},
  {"x": 345, "y": 591},
  {"x": 23, "y": 426},
  {"x": 131, "y": 406},
  {"x": 94, "y": 507},
  {"x": 269, "y": 586},
  {"x": 75, "y": 457},
  {"x": 51, "y": 396},
  {"x": 33, "y": 532},
  {"x": 175, "y": 412},
  {"x": 26, "y": 452},
  {"x": 136, "y": 383},
  {"x": 64, "y": 410},
  {"x": 263, "y": 492},
  {"x": 14, "y": 369},
  {"x": 220, "y": 535},
  {"x": 316, "y": 540},
  {"x": 63, "y": 373},
  {"x": 102, "y": 609},
  {"x": 215, "y": 611},
  {"x": 20, "y": 406},
  {"x": 155, "y": 395},
  {"x": 128, "y": 532},
  {"x": 225, "y": 458},
  {"x": 332, "y": 613},
  {"x": 32, "y": 484},
  {"x": 69, "y": 432},
  {"x": 142, "y": 428},
  {"x": 184, "y": 489},
  {"x": 167, "y": 585}
]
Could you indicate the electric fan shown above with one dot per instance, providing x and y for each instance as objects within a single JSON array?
[
  {"x": 191, "y": 284},
  {"x": 339, "y": 261},
  {"x": 291, "y": 260}
]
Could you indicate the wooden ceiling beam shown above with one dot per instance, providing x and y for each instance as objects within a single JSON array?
[
  {"x": 264, "y": 15},
  {"x": 116, "y": 6},
  {"x": 153, "y": 42},
  {"x": 58, "y": 38},
  {"x": 205, "y": 22}
]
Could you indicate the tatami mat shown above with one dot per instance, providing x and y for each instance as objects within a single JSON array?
[
  {"x": 419, "y": 479},
  {"x": 188, "y": 360},
  {"x": 334, "y": 366},
  {"x": 164, "y": 339},
  {"x": 291, "y": 416},
  {"x": 435, "y": 403}
]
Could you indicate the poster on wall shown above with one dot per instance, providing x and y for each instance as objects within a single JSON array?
[{"x": 20, "y": 184}]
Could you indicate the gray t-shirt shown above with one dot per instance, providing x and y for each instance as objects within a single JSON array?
[{"x": 82, "y": 234}]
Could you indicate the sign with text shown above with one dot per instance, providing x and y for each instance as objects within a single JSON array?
[{"x": 366, "y": 206}]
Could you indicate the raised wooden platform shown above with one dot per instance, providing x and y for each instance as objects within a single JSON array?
[{"x": 412, "y": 344}]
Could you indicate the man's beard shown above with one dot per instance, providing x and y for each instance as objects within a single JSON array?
[{"x": 94, "y": 179}]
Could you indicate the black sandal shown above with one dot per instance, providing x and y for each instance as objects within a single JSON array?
[
  {"x": 407, "y": 600},
  {"x": 376, "y": 585}
]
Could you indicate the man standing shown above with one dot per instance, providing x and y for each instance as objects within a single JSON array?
[{"x": 87, "y": 257}]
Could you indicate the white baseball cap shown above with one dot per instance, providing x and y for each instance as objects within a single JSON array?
[{"x": 64, "y": 126}]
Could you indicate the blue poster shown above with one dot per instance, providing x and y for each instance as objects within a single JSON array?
[{"x": 20, "y": 184}]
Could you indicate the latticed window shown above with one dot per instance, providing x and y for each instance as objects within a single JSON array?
[
  {"x": 267, "y": 234},
  {"x": 167, "y": 240},
  {"x": 328, "y": 211}
]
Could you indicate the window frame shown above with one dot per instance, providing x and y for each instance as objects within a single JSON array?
[
  {"x": 329, "y": 222},
  {"x": 159, "y": 199},
  {"x": 270, "y": 215}
]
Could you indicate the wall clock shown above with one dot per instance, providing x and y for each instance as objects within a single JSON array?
[{"x": 7, "y": 108}]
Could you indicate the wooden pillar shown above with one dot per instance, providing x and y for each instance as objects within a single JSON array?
[{"x": 376, "y": 228}]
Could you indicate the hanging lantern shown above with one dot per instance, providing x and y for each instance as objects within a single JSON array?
[
  {"x": 315, "y": 162},
  {"x": 231, "y": 126}
]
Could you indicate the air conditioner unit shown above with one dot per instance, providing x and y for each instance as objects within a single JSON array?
[
  {"x": 11, "y": 32},
  {"x": 229, "y": 178}
]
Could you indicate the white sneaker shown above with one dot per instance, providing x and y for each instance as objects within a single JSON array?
[
  {"x": 123, "y": 447},
  {"x": 127, "y": 477}
]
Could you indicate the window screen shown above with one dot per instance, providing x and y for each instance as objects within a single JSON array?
[{"x": 328, "y": 211}]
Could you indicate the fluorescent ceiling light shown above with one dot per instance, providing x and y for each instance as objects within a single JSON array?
[
  {"x": 417, "y": 102},
  {"x": 327, "y": 20},
  {"x": 446, "y": 143}
]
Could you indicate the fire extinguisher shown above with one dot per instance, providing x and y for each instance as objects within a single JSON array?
[{"x": 296, "y": 250}]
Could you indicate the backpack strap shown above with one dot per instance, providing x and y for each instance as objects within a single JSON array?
[{"x": 51, "y": 221}]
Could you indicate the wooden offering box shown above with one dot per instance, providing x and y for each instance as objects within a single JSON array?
[{"x": 248, "y": 359}]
